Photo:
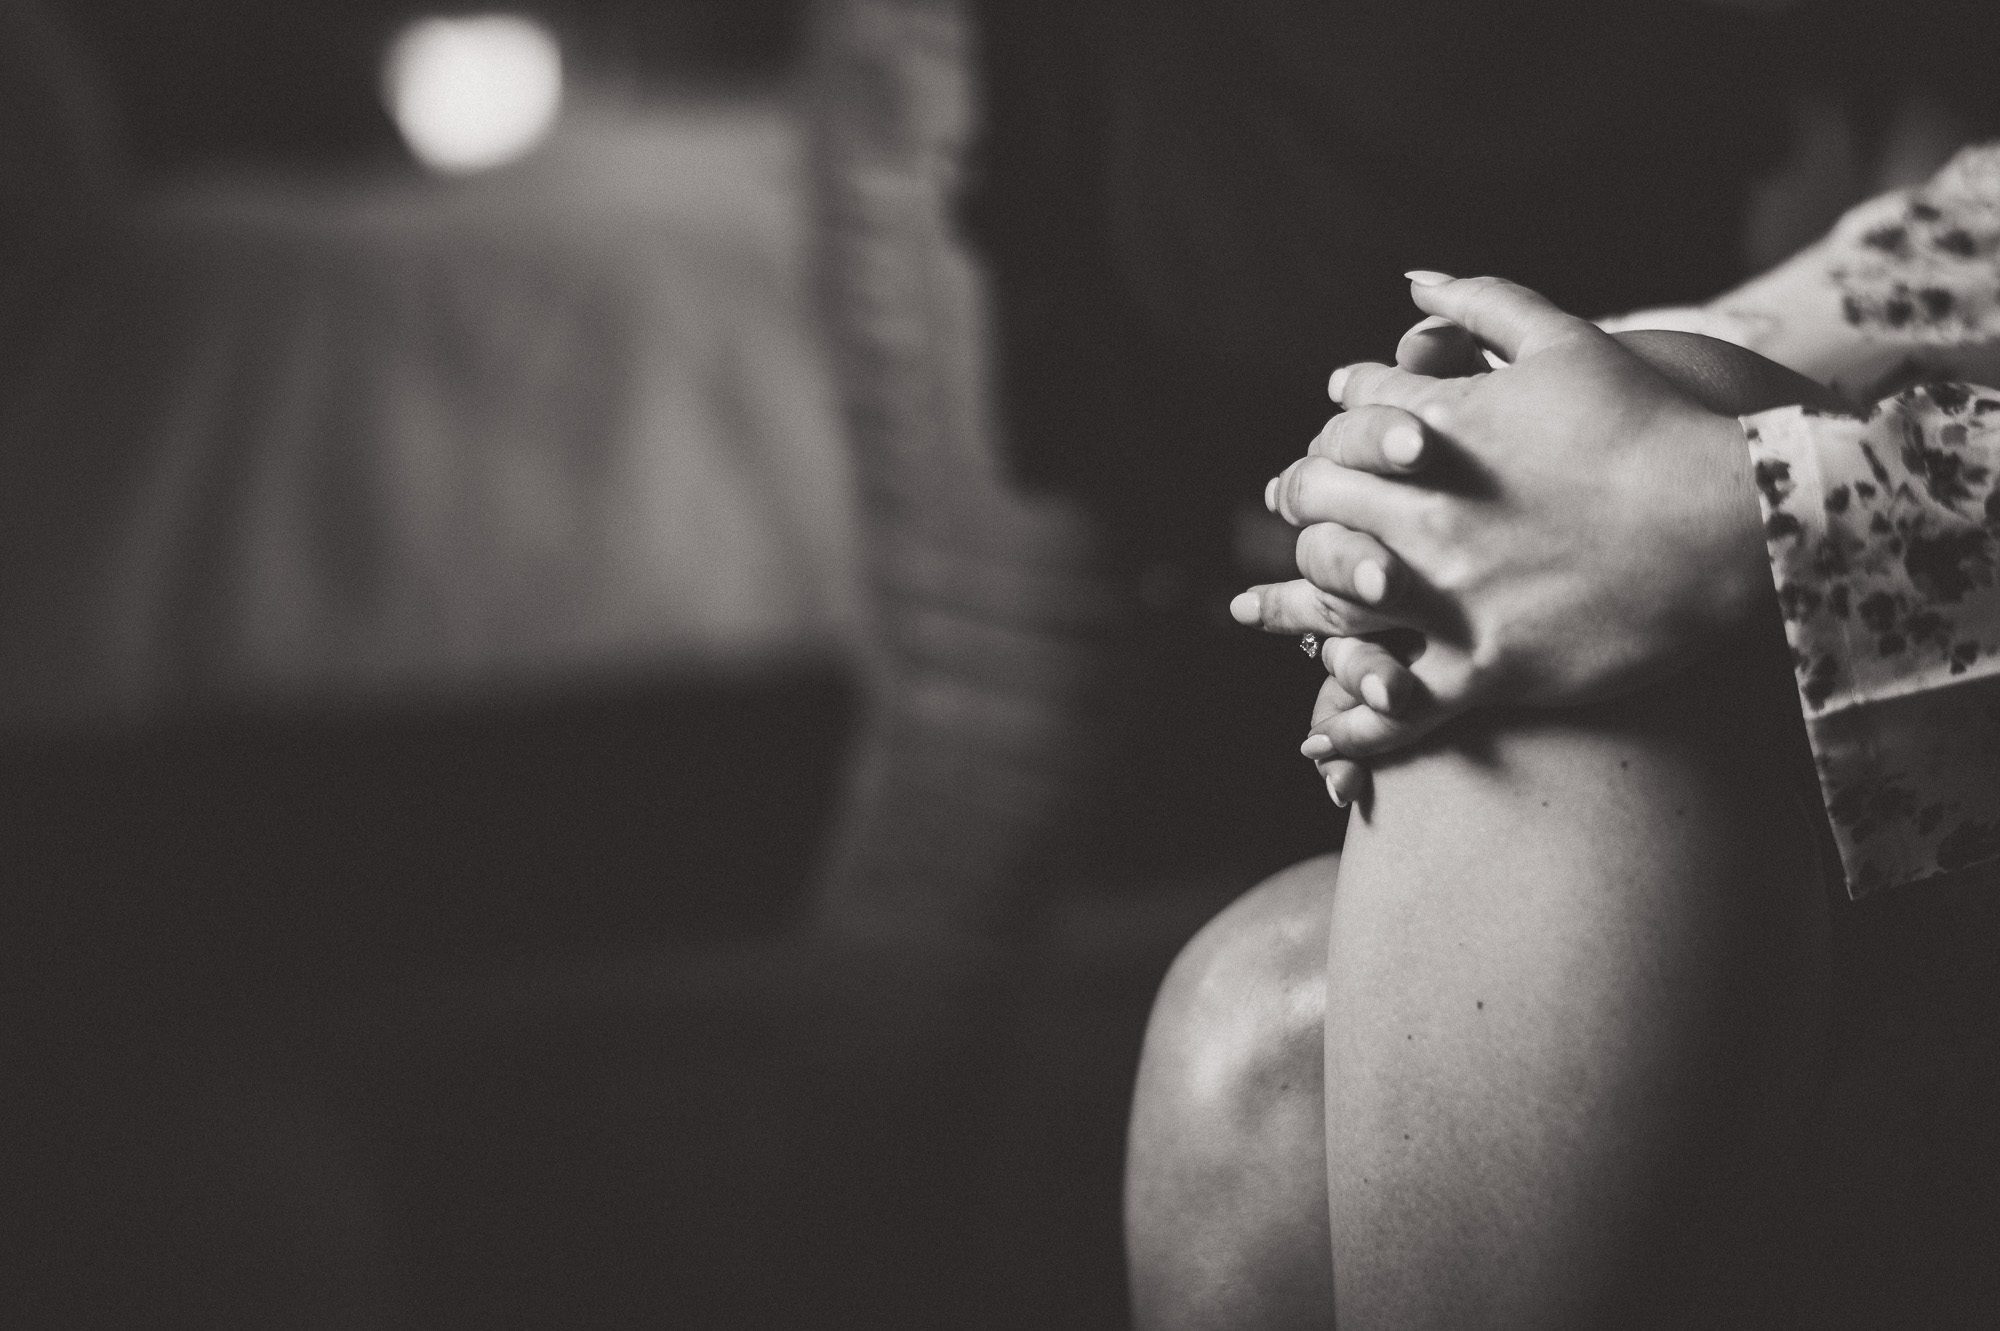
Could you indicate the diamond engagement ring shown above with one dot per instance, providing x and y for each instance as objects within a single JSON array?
[{"x": 1309, "y": 644}]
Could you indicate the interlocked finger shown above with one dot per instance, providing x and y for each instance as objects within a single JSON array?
[
  {"x": 1387, "y": 441},
  {"x": 1370, "y": 384},
  {"x": 1298, "y": 606},
  {"x": 1349, "y": 564},
  {"x": 1371, "y": 673},
  {"x": 1420, "y": 698},
  {"x": 1346, "y": 780},
  {"x": 1317, "y": 489},
  {"x": 1333, "y": 700},
  {"x": 1361, "y": 733}
]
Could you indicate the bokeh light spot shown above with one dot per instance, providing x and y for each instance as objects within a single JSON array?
[{"x": 473, "y": 93}]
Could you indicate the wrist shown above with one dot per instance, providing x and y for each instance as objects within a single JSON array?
[{"x": 1742, "y": 592}]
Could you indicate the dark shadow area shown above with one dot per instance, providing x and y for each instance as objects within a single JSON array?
[{"x": 305, "y": 1007}]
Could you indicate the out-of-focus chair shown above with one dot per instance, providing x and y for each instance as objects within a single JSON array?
[{"x": 1004, "y": 627}]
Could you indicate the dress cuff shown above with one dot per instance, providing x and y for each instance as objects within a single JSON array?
[{"x": 1881, "y": 538}]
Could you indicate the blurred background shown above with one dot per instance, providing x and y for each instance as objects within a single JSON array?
[{"x": 615, "y": 687}]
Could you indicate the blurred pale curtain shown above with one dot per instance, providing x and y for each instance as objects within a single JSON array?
[
  {"x": 992, "y": 610},
  {"x": 315, "y": 441}
]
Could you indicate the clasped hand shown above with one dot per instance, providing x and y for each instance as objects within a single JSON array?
[{"x": 1557, "y": 531}]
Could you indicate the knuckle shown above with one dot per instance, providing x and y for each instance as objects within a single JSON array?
[
  {"x": 1496, "y": 654},
  {"x": 1437, "y": 517},
  {"x": 1317, "y": 554},
  {"x": 1345, "y": 657},
  {"x": 1455, "y": 576},
  {"x": 1350, "y": 736},
  {"x": 1360, "y": 442},
  {"x": 1332, "y": 612},
  {"x": 1309, "y": 475},
  {"x": 1288, "y": 491},
  {"x": 1299, "y": 486},
  {"x": 1305, "y": 552},
  {"x": 1287, "y": 612},
  {"x": 1346, "y": 438}
]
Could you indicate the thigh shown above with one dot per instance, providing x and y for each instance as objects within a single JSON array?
[{"x": 1575, "y": 993}]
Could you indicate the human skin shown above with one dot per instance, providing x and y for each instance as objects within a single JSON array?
[
  {"x": 1226, "y": 1217},
  {"x": 1585, "y": 524},
  {"x": 1571, "y": 1007},
  {"x": 1575, "y": 978},
  {"x": 1573, "y": 994},
  {"x": 1513, "y": 604}
]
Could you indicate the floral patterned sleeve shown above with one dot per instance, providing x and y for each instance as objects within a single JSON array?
[
  {"x": 1884, "y": 528},
  {"x": 1882, "y": 534},
  {"x": 1905, "y": 288}
]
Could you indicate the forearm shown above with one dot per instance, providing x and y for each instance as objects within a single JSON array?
[
  {"x": 1571, "y": 957},
  {"x": 1901, "y": 291}
]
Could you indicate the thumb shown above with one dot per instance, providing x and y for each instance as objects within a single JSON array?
[{"x": 1504, "y": 315}]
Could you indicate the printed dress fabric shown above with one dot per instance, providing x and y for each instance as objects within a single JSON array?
[{"x": 1884, "y": 528}]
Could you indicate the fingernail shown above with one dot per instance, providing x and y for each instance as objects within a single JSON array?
[
  {"x": 1337, "y": 381},
  {"x": 1270, "y": 497},
  {"x": 1333, "y": 789},
  {"x": 1247, "y": 608},
  {"x": 1424, "y": 277},
  {"x": 1401, "y": 443},
  {"x": 1375, "y": 693},
  {"x": 1316, "y": 746},
  {"x": 1371, "y": 581}
]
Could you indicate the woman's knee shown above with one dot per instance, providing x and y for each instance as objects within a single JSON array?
[
  {"x": 1226, "y": 1181},
  {"x": 1236, "y": 1026}
]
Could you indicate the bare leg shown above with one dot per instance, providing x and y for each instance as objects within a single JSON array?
[
  {"x": 1225, "y": 1193},
  {"x": 1576, "y": 984},
  {"x": 1575, "y": 988}
]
